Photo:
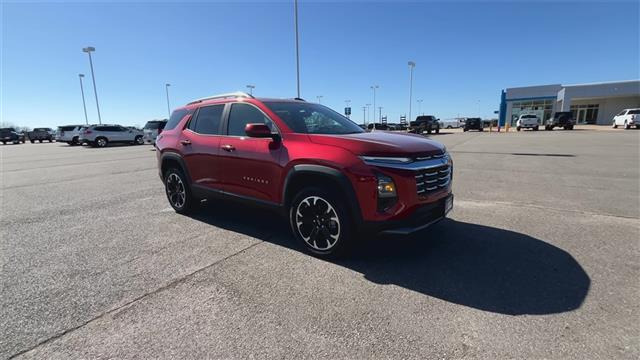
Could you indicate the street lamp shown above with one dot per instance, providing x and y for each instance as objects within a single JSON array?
[
  {"x": 367, "y": 105},
  {"x": 319, "y": 98},
  {"x": 89, "y": 50},
  {"x": 251, "y": 87},
  {"x": 411, "y": 66},
  {"x": 380, "y": 114},
  {"x": 166, "y": 88},
  {"x": 419, "y": 101},
  {"x": 295, "y": 5},
  {"x": 374, "y": 87},
  {"x": 84, "y": 105},
  {"x": 364, "y": 116}
]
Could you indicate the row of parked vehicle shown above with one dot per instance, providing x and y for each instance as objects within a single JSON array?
[
  {"x": 101, "y": 135},
  {"x": 11, "y": 135}
]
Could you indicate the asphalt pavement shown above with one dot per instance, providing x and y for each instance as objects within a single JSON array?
[{"x": 540, "y": 258}]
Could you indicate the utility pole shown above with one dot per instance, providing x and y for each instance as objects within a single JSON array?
[
  {"x": 347, "y": 103},
  {"x": 374, "y": 87},
  {"x": 411, "y": 66},
  {"x": 89, "y": 50},
  {"x": 297, "y": 48},
  {"x": 380, "y": 114},
  {"x": 364, "y": 115},
  {"x": 166, "y": 88},
  {"x": 84, "y": 105}
]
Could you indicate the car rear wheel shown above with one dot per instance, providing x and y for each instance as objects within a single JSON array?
[
  {"x": 40, "y": 141},
  {"x": 139, "y": 140},
  {"x": 626, "y": 126},
  {"x": 320, "y": 222},
  {"x": 614, "y": 125},
  {"x": 178, "y": 192},
  {"x": 518, "y": 128},
  {"x": 32, "y": 141},
  {"x": 101, "y": 142}
]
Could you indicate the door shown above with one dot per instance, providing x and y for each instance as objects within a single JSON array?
[
  {"x": 251, "y": 165},
  {"x": 199, "y": 144},
  {"x": 582, "y": 116}
]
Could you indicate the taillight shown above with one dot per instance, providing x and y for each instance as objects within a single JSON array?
[{"x": 87, "y": 131}]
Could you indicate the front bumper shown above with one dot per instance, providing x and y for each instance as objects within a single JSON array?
[{"x": 423, "y": 217}]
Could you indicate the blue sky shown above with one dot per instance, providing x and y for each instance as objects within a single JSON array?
[{"x": 465, "y": 54}]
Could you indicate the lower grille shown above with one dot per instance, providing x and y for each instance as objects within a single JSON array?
[{"x": 433, "y": 179}]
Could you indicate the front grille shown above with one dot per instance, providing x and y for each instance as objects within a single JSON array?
[{"x": 433, "y": 179}]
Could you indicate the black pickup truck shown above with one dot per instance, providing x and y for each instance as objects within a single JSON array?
[
  {"x": 11, "y": 135},
  {"x": 424, "y": 123},
  {"x": 40, "y": 134},
  {"x": 563, "y": 119}
]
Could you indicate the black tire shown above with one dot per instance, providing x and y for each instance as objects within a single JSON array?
[
  {"x": 22, "y": 141},
  {"x": 626, "y": 126},
  {"x": 138, "y": 140},
  {"x": 50, "y": 140},
  {"x": 481, "y": 129},
  {"x": 570, "y": 127},
  {"x": 307, "y": 216},
  {"x": 449, "y": 127},
  {"x": 464, "y": 129},
  {"x": 40, "y": 141},
  {"x": 101, "y": 142},
  {"x": 536, "y": 128},
  {"x": 518, "y": 128},
  {"x": 32, "y": 141},
  {"x": 75, "y": 141},
  {"x": 178, "y": 191},
  {"x": 547, "y": 127},
  {"x": 428, "y": 131},
  {"x": 614, "y": 125},
  {"x": 4, "y": 143},
  {"x": 438, "y": 130}
]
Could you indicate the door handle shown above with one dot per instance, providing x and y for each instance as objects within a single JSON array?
[
  {"x": 185, "y": 142},
  {"x": 228, "y": 148}
]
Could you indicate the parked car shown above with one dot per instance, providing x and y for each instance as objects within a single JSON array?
[
  {"x": 40, "y": 135},
  {"x": 332, "y": 179},
  {"x": 10, "y": 135},
  {"x": 451, "y": 123},
  {"x": 473, "y": 124},
  {"x": 527, "y": 121},
  {"x": 627, "y": 118},
  {"x": 71, "y": 134},
  {"x": 562, "y": 119},
  {"x": 103, "y": 135},
  {"x": 424, "y": 123},
  {"x": 377, "y": 126},
  {"x": 152, "y": 129}
]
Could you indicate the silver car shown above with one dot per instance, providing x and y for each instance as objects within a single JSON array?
[
  {"x": 103, "y": 135},
  {"x": 152, "y": 129},
  {"x": 71, "y": 134}
]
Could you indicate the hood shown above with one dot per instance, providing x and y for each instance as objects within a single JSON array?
[{"x": 382, "y": 143}]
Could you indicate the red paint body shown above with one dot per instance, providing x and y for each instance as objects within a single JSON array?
[{"x": 257, "y": 167}]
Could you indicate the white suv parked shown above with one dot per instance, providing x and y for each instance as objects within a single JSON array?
[
  {"x": 528, "y": 121},
  {"x": 70, "y": 134},
  {"x": 627, "y": 118},
  {"x": 102, "y": 135}
]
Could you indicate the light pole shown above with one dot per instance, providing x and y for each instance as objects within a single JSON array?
[
  {"x": 364, "y": 116},
  {"x": 380, "y": 114},
  {"x": 251, "y": 87},
  {"x": 89, "y": 50},
  {"x": 411, "y": 66},
  {"x": 84, "y": 105},
  {"x": 295, "y": 5},
  {"x": 166, "y": 88},
  {"x": 419, "y": 101},
  {"x": 319, "y": 97},
  {"x": 347, "y": 103},
  {"x": 374, "y": 87},
  {"x": 367, "y": 105}
]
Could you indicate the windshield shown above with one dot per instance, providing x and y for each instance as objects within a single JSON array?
[
  {"x": 310, "y": 118},
  {"x": 633, "y": 112}
]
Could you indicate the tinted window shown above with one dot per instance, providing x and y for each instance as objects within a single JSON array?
[
  {"x": 100, "y": 128},
  {"x": 310, "y": 118},
  {"x": 207, "y": 120},
  {"x": 152, "y": 125},
  {"x": 243, "y": 114},
  {"x": 175, "y": 118},
  {"x": 66, "y": 128},
  {"x": 633, "y": 112}
]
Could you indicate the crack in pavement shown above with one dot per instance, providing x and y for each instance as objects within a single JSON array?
[{"x": 137, "y": 299}]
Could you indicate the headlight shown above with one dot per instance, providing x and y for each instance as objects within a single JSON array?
[{"x": 386, "y": 160}]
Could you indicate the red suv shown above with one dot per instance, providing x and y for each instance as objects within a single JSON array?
[{"x": 333, "y": 180}]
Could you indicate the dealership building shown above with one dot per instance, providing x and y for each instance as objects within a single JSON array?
[{"x": 595, "y": 103}]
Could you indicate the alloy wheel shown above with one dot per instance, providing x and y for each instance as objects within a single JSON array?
[
  {"x": 317, "y": 223},
  {"x": 102, "y": 142},
  {"x": 176, "y": 191}
]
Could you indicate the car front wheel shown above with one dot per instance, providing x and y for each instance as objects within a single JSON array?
[
  {"x": 178, "y": 192},
  {"x": 139, "y": 140},
  {"x": 320, "y": 222}
]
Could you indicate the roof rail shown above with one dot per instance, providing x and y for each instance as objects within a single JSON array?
[{"x": 223, "y": 96}]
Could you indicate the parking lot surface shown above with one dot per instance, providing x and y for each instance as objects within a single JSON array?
[{"x": 539, "y": 259}]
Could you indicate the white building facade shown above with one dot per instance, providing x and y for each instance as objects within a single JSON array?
[{"x": 595, "y": 103}]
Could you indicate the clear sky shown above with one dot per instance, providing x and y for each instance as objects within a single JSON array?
[{"x": 465, "y": 52}]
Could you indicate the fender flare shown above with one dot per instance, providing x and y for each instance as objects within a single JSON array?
[
  {"x": 330, "y": 173},
  {"x": 175, "y": 157}
]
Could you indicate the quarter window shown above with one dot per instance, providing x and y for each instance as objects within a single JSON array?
[
  {"x": 208, "y": 120},
  {"x": 243, "y": 114}
]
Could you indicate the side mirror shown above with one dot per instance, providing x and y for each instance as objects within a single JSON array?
[{"x": 259, "y": 131}]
